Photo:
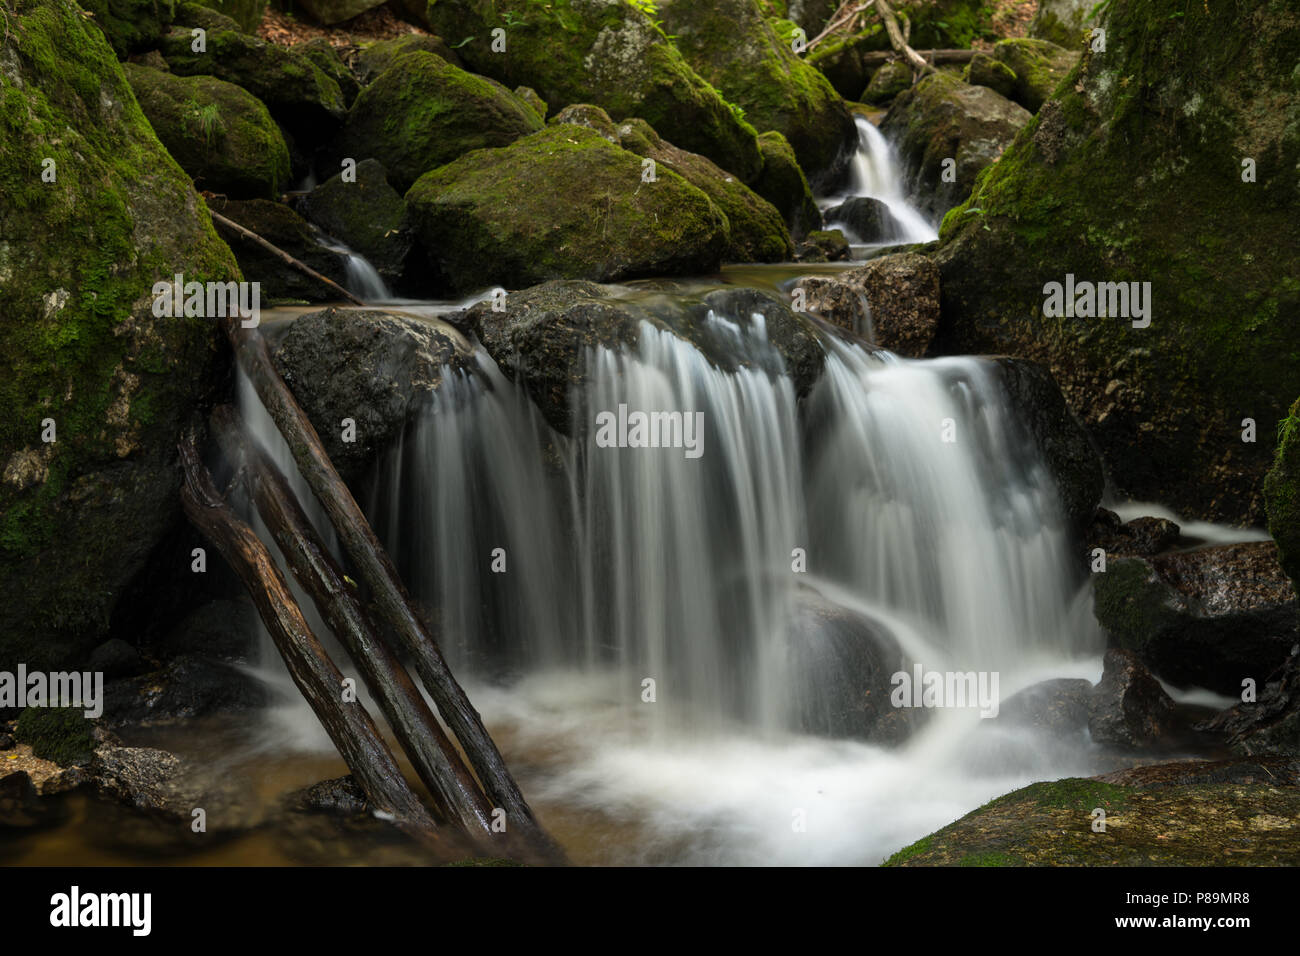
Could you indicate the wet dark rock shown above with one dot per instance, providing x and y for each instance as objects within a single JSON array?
[
  {"x": 372, "y": 367},
  {"x": 1059, "y": 707},
  {"x": 1271, "y": 723},
  {"x": 284, "y": 228},
  {"x": 189, "y": 686},
  {"x": 1209, "y": 617},
  {"x": 1065, "y": 446},
  {"x": 1141, "y": 537},
  {"x": 341, "y": 796},
  {"x": 20, "y": 804},
  {"x": 142, "y": 777},
  {"x": 1276, "y": 770},
  {"x": 6, "y": 740},
  {"x": 368, "y": 216},
  {"x": 849, "y": 662},
  {"x": 823, "y": 245},
  {"x": 115, "y": 658},
  {"x": 1129, "y": 708},
  {"x": 541, "y": 337},
  {"x": 892, "y": 300},
  {"x": 868, "y": 219},
  {"x": 224, "y": 630}
]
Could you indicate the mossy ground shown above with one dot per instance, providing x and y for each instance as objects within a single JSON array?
[{"x": 61, "y": 734}]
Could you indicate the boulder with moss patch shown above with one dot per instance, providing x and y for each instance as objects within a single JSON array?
[
  {"x": 327, "y": 58},
  {"x": 131, "y": 26},
  {"x": 1063, "y": 22},
  {"x": 942, "y": 119},
  {"x": 783, "y": 184},
  {"x": 368, "y": 215},
  {"x": 984, "y": 70},
  {"x": 79, "y": 257},
  {"x": 282, "y": 227},
  {"x": 733, "y": 46},
  {"x": 610, "y": 54},
  {"x": 561, "y": 203},
  {"x": 1125, "y": 177},
  {"x": 220, "y": 134},
  {"x": 1038, "y": 67},
  {"x": 422, "y": 113},
  {"x": 887, "y": 82},
  {"x": 377, "y": 57},
  {"x": 756, "y": 232},
  {"x": 61, "y": 734}
]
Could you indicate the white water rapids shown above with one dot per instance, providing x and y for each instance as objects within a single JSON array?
[
  {"x": 628, "y": 564},
  {"x": 874, "y": 173}
]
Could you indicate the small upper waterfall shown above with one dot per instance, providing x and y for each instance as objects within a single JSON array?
[
  {"x": 874, "y": 173},
  {"x": 360, "y": 277}
]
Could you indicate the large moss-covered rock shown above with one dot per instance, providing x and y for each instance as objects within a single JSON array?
[
  {"x": 330, "y": 12},
  {"x": 1155, "y": 816},
  {"x": 783, "y": 184},
  {"x": 327, "y": 58},
  {"x": 423, "y": 112},
  {"x": 366, "y": 214},
  {"x": 1039, "y": 68},
  {"x": 887, "y": 82},
  {"x": 377, "y": 57},
  {"x": 1063, "y": 22},
  {"x": 732, "y": 45},
  {"x": 942, "y": 119},
  {"x": 561, "y": 203},
  {"x": 756, "y": 232},
  {"x": 220, "y": 134},
  {"x": 1282, "y": 494},
  {"x": 605, "y": 52},
  {"x": 198, "y": 15},
  {"x": 1133, "y": 173},
  {"x": 131, "y": 25},
  {"x": 301, "y": 97},
  {"x": 79, "y": 256}
]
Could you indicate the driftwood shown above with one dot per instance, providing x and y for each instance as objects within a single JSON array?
[
  {"x": 898, "y": 41},
  {"x": 434, "y": 757},
  {"x": 935, "y": 57},
  {"x": 349, "y": 726},
  {"x": 284, "y": 256},
  {"x": 394, "y": 605}
]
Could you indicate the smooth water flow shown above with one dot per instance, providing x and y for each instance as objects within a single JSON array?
[
  {"x": 672, "y": 642},
  {"x": 875, "y": 173}
]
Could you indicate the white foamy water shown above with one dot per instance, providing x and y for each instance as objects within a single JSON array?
[
  {"x": 875, "y": 173},
  {"x": 624, "y": 565}
]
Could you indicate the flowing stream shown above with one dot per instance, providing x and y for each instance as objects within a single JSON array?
[
  {"x": 893, "y": 517},
  {"x": 875, "y": 173}
]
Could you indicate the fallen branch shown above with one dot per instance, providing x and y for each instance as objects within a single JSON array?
[
  {"x": 898, "y": 41},
  {"x": 841, "y": 21},
  {"x": 934, "y": 57},
  {"x": 375, "y": 567},
  {"x": 284, "y": 256},
  {"x": 349, "y": 726},
  {"x": 434, "y": 757}
]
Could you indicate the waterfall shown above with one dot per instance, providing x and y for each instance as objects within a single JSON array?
[
  {"x": 875, "y": 173},
  {"x": 360, "y": 277}
]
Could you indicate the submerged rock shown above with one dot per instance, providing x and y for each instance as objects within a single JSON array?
[
  {"x": 422, "y": 113},
  {"x": 609, "y": 54},
  {"x": 561, "y": 203},
  {"x": 1210, "y": 617},
  {"x": 1148, "y": 822},
  {"x": 20, "y": 805},
  {"x": 1059, "y": 707},
  {"x": 220, "y": 134},
  {"x": 189, "y": 686},
  {"x": 88, "y": 364},
  {"x": 942, "y": 123},
  {"x": 733, "y": 46},
  {"x": 1220, "y": 254},
  {"x": 756, "y": 232},
  {"x": 284, "y": 228},
  {"x": 372, "y": 367}
]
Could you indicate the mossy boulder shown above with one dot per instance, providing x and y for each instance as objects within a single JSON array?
[
  {"x": 1039, "y": 67},
  {"x": 220, "y": 134},
  {"x": 594, "y": 118},
  {"x": 609, "y": 54},
  {"x": 984, "y": 70},
  {"x": 326, "y": 56},
  {"x": 1133, "y": 172},
  {"x": 561, "y": 203},
  {"x": 198, "y": 15},
  {"x": 733, "y": 46},
  {"x": 783, "y": 184},
  {"x": 1063, "y": 22},
  {"x": 131, "y": 26},
  {"x": 330, "y": 12},
  {"x": 282, "y": 227},
  {"x": 79, "y": 257},
  {"x": 299, "y": 94},
  {"x": 1282, "y": 494},
  {"x": 942, "y": 119},
  {"x": 422, "y": 112},
  {"x": 823, "y": 245},
  {"x": 887, "y": 82},
  {"x": 368, "y": 215},
  {"x": 61, "y": 734},
  {"x": 378, "y": 56},
  {"x": 756, "y": 232},
  {"x": 531, "y": 97},
  {"x": 1192, "y": 813}
]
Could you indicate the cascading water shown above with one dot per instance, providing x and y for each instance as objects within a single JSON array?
[
  {"x": 874, "y": 173},
  {"x": 360, "y": 277}
]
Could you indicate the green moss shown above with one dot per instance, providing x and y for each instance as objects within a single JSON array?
[
  {"x": 423, "y": 112},
  {"x": 908, "y": 852},
  {"x": 783, "y": 184},
  {"x": 1080, "y": 795},
  {"x": 61, "y": 734},
  {"x": 79, "y": 257},
  {"x": 131, "y": 25},
  {"x": 1282, "y": 494},
  {"x": 990, "y": 858}
]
